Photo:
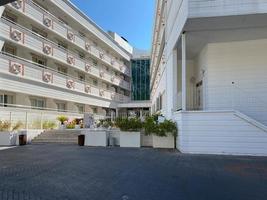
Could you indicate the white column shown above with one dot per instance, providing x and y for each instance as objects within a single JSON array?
[
  {"x": 184, "y": 71},
  {"x": 175, "y": 79},
  {"x": 2, "y": 8}
]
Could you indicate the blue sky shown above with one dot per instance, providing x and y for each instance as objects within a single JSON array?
[{"x": 132, "y": 19}]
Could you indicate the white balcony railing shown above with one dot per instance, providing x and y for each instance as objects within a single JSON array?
[
  {"x": 44, "y": 46},
  {"x": 49, "y": 21},
  {"x": 28, "y": 70}
]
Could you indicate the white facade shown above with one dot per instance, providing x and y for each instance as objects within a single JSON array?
[
  {"x": 208, "y": 64},
  {"x": 55, "y": 58}
]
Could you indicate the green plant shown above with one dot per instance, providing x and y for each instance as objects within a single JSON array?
[
  {"x": 106, "y": 123},
  {"x": 131, "y": 125},
  {"x": 6, "y": 126},
  {"x": 71, "y": 125},
  {"x": 151, "y": 126},
  {"x": 62, "y": 119},
  {"x": 49, "y": 125}
]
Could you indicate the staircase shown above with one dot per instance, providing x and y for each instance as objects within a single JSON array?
[{"x": 58, "y": 136}]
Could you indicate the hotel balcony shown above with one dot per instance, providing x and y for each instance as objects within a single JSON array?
[
  {"x": 52, "y": 23},
  {"x": 24, "y": 37},
  {"x": 52, "y": 82}
]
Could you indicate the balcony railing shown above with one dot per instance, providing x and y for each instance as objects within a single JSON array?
[
  {"x": 49, "y": 21},
  {"x": 28, "y": 70},
  {"x": 23, "y": 36}
]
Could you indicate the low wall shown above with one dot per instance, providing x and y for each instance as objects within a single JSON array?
[{"x": 219, "y": 133}]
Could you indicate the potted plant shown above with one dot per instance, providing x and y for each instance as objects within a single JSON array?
[
  {"x": 62, "y": 119},
  {"x": 129, "y": 132},
  {"x": 163, "y": 134},
  {"x": 8, "y": 135}
]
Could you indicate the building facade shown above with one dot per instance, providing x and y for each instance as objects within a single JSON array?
[
  {"x": 55, "y": 59},
  {"x": 208, "y": 73},
  {"x": 140, "y": 78}
]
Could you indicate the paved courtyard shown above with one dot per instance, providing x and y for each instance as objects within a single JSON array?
[{"x": 71, "y": 172}]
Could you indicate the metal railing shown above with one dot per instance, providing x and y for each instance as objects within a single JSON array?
[
  {"x": 38, "y": 13},
  {"x": 35, "y": 117},
  {"x": 37, "y": 72},
  {"x": 61, "y": 54}
]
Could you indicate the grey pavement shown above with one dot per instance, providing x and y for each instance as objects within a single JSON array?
[{"x": 71, "y": 172}]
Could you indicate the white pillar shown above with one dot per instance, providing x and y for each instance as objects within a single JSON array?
[
  {"x": 184, "y": 71},
  {"x": 2, "y": 8}
]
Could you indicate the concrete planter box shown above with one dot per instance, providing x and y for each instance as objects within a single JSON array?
[
  {"x": 8, "y": 138},
  {"x": 163, "y": 142},
  {"x": 146, "y": 140},
  {"x": 115, "y": 135},
  {"x": 95, "y": 138},
  {"x": 130, "y": 139}
]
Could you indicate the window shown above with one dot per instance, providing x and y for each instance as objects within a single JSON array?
[
  {"x": 10, "y": 49},
  {"x": 81, "y": 76},
  {"x": 62, "y": 44},
  {"x": 37, "y": 103},
  {"x": 62, "y": 69},
  {"x": 94, "y": 110},
  {"x": 81, "y": 55},
  {"x": 6, "y": 99},
  {"x": 107, "y": 69},
  {"x": 95, "y": 82},
  {"x": 10, "y": 16},
  {"x": 39, "y": 60},
  {"x": 80, "y": 108},
  {"x": 61, "y": 107},
  {"x": 95, "y": 62},
  {"x": 39, "y": 31},
  {"x": 81, "y": 34}
]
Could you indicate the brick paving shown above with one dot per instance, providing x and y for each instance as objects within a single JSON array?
[{"x": 51, "y": 172}]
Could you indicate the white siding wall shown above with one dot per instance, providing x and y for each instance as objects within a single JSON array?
[
  {"x": 245, "y": 65},
  {"x": 209, "y": 8},
  {"x": 219, "y": 133}
]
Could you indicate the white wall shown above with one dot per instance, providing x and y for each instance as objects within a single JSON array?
[
  {"x": 209, "y": 8},
  {"x": 245, "y": 65},
  {"x": 219, "y": 133}
]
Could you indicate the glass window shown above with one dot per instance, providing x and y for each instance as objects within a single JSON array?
[
  {"x": 37, "y": 103},
  {"x": 61, "y": 107},
  {"x": 10, "y": 49},
  {"x": 62, "y": 69},
  {"x": 5, "y": 99},
  {"x": 39, "y": 31},
  {"x": 80, "y": 108},
  {"x": 81, "y": 76},
  {"x": 39, "y": 60}
]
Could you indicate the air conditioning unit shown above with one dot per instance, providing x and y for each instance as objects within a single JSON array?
[
  {"x": 16, "y": 35},
  {"x": 101, "y": 55},
  {"x": 70, "y": 60},
  {"x": 87, "y": 46},
  {"x": 70, "y": 84},
  {"x": 15, "y": 68},
  {"x": 47, "y": 49},
  {"x": 101, "y": 93},
  {"x": 47, "y": 77},
  {"x": 17, "y": 4},
  {"x": 101, "y": 74},
  {"x": 70, "y": 36},
  {"x": 87, "y": 88},
  {"x": 47, "y": 22},
  {"x": 87, "y": 67}
]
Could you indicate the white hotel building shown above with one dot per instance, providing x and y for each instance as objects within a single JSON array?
[
  {"x": 54, "y": 58},
  {"x": 209, "y": 73}
]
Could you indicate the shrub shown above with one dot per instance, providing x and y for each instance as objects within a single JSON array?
[
  {"x": 6, "y": 126},
  {"x": 151, "y": 126},
  {"x": 105, "y": 123},
  {"x": 62, "y": 119},
  {"x": 71, "y": 125},
  {"x": 49, "y": 125},
  {"x": 131, "y": 125}
]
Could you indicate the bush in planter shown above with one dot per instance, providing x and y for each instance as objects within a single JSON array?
[
  {"x": 131, "y": 125},
  {"x": 6, "y": 126},
  {"x": 151, "y": 126},
  {"x": 71, "y": 124},
  {"x": 105, "y": 123},
  {"x": 62, "y": 119},
  {"x": 49, "y": 125}
]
